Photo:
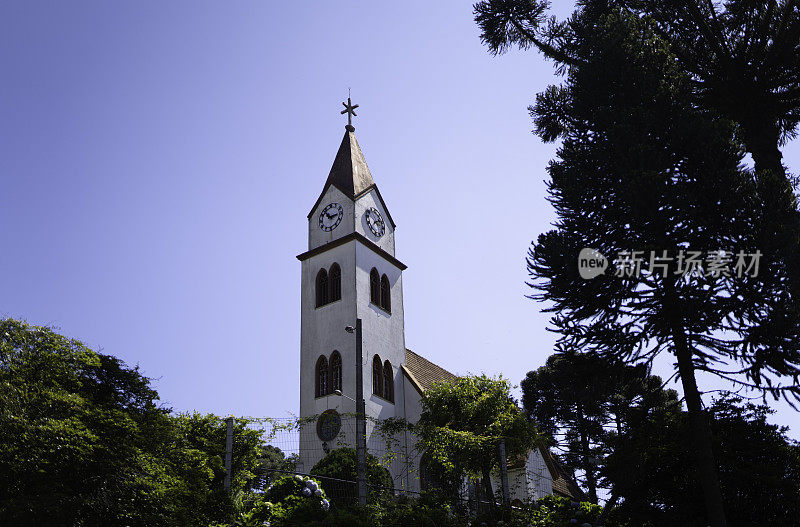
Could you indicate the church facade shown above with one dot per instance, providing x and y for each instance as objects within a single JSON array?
[{"x": 350, "y": 271}]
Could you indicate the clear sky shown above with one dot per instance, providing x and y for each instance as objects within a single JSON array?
[{"x": 158, "y": 161}]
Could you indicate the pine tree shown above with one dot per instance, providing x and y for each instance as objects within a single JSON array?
[{"x": 584, "y": 402}]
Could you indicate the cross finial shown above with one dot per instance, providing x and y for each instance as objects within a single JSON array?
[{"x": 350, "y": 110}]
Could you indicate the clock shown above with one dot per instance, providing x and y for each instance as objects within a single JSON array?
[
  {"x": 375, "y": 222},
  {"x": 328, "y": 425},
  {"x": 330, "y": 217}
]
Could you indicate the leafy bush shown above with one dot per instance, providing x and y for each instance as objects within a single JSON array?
[
  {"x": 290, "y": 501},
  {"x": 550, "y": 511},
  {"x": 396, "y": 512},
  {"x": 340, "y": 464}
]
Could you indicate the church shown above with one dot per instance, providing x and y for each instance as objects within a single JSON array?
[{"x": 351, "y": 271}]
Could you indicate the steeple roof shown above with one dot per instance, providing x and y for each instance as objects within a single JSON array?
[{"x": 349, "y": 172}]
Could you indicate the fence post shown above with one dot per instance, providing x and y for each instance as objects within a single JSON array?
[
  {"x": 228, "y": 453},
  {"x": 504, "y": 473},
  {"x": 361, "y": 425}
]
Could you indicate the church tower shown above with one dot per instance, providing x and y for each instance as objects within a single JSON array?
[{"x": 348, "y": 272}]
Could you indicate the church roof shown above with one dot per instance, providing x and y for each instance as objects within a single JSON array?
[
  {"x": 423, "y": 373},
  {"x": 350, "y": 172}
]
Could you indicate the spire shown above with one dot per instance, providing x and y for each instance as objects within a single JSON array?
[{"x": 349, "y": 172}]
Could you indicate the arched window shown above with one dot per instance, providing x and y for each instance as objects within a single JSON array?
[
  {"x": 388, "y": 381},
  {"x": 336, "y": 371},
  {"x": 322, "y": 377},
  {"x": 322, "y": 287},
  {"x": 386, "y": 294},
  {"x": 335, "y": 283},
  {"x": 375, "y": 287},
  {"x": 377, "y": 376}
]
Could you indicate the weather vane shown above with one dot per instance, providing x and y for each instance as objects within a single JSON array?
[{"x": 350, "y": 110}]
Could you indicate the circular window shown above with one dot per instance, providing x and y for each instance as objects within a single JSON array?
[{"x": 328, "y": 425}]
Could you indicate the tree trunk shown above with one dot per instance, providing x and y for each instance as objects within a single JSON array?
[
  {"x": 591, "y": 481},
  {"x": 707, "y": 469},
  {"x": 487, "y": 484},
  {"x": 781, "y": 222},
  {"x": 607, "y": 507},
  {"x": 761, "y": 140}
]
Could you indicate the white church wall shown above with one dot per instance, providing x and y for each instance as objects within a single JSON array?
[
  {"x": 540, "y": 482},
  {"x": 318, "y": 237},
  {"x": 321, "y": 332},
  {"x": 529, "y": 482},
  {"x": 383, "y": 332}
]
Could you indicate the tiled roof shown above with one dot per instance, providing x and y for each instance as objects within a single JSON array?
[{"x": 423, "y": 373}]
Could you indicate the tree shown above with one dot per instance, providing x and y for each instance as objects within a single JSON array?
[
  {"x": 84, "y": 442},
  {"x": 337, "y": 471},
  {"x": 272, "y": 465},
  {"x": 585, "y": 403},
  {"x": 75, "y": 427},
  {"x": 203, "y": 438},
  {"x": 463, "y": 421},
  {"x": 758, "y": 468},
  {"x": 643, "y": 167},
  {"x": 743, "y": 56}
]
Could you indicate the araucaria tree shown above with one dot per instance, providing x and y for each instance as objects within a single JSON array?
[
  {"x": 585, "y": 404},
  {"x": 643, "y": 166}
]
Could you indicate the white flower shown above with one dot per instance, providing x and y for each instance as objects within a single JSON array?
[
  {"x": 312, "y": 485},
  {"x": 307, "y": 492},
  {"x": 326, "y": 504},
  {"x": 318, "y": 493}
]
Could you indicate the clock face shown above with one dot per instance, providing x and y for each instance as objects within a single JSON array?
[
  {"x": 330, "y": 217},
  {"x": 375, "y": 222},
  {"x": 328, "y": 425}
]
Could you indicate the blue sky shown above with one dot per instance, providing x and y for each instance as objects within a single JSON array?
[{"x": 158, "y": 161}]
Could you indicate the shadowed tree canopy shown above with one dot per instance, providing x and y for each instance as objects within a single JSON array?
[
  {"x": 759, "y": 468},
  {"x": 584, "y": 403}
]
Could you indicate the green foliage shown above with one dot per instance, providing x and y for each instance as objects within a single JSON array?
[
  {"x": 396, "y": 512},
  {"x": 647, "y": 165},
  {"x": 759, "y": 468},
  {"x": 585, "y": 403},
  {"x": 463, "y": 421},
  {"x": 340, "y": 466},
  {"x": 272, "y": 465},
  {"x": 550, "y": 511},
  {"x": 289, "y": 501},
  {"x": 83, "y": 442},
  {"x": 78, "y": 434}
]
